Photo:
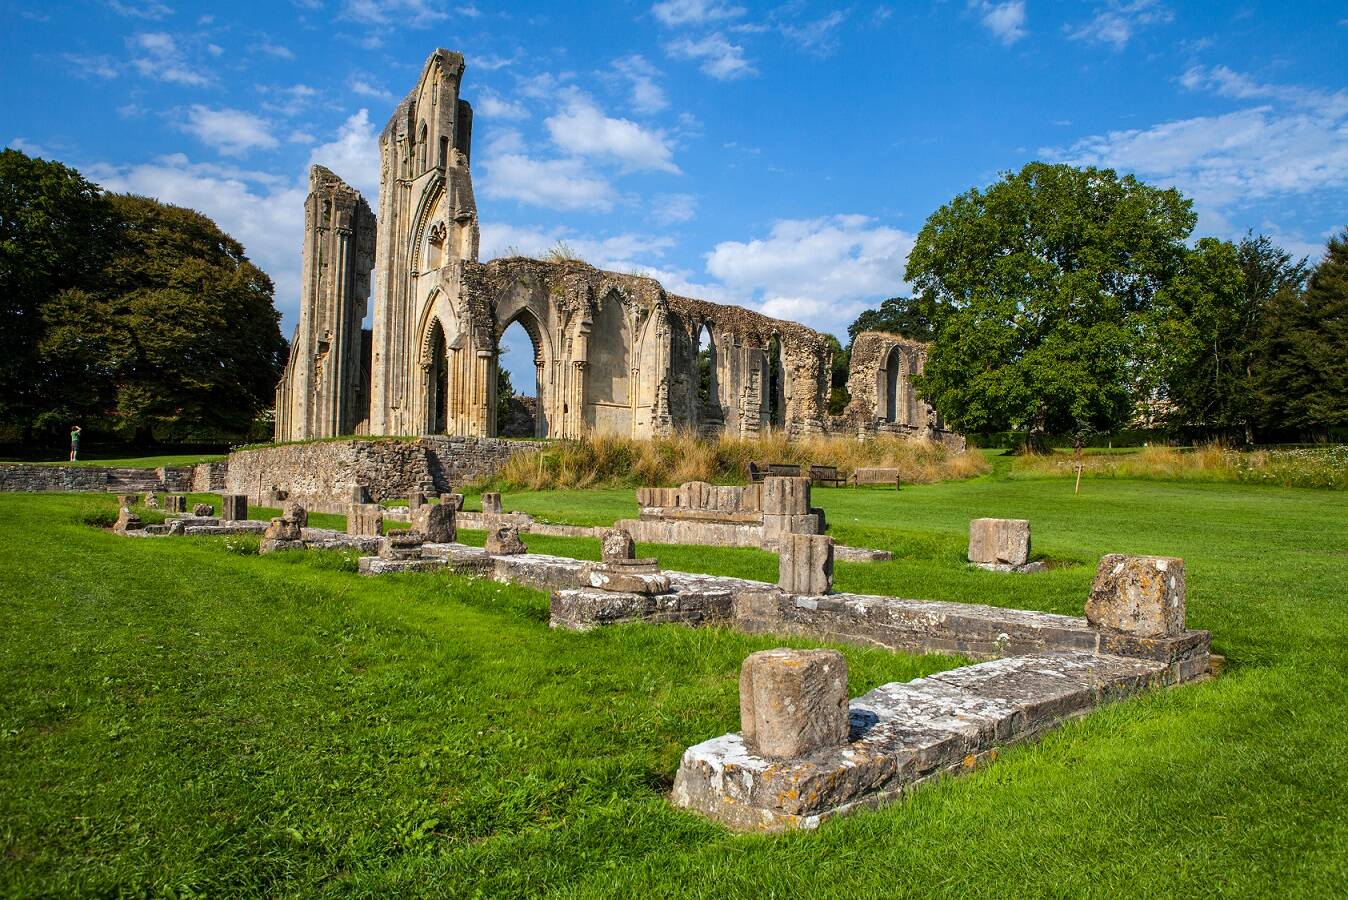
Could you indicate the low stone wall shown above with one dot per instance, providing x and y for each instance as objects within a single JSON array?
[
  {"x": 322, "y": 475},
  {"x": 30, "y": 477},
  {"x": 210, "y": 478}
]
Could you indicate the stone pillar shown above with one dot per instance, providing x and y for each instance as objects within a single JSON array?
[
  {"x": 1139, "y": 595},
  {"x": 786, "y": 508},
  {"x": 793, "y": 702},
  {"x": 234, "y": 507},
  {"x": 175, "y": 503},
  {"x": 365, "y": 520},
  {"x": 437, "y": 523},
  {"x": 999, "y": 541},
  {"x": 415, "y": 500},
  {"x": 805, "y": 564},
  {"x": 491, "y": 503},
  {"x": 453, "y": 500},
  {"x": 504, "y": 540},
  {"x": 617, "y": 546}
]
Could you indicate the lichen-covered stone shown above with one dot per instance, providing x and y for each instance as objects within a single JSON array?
[
  {"x": 999, "y": 541},
  {"x": 203, "y": 510},
  {"x": 805, "y": 564},
  {"x": 793, "y": 702},
  {"x": 437, "y": 522},
  {"x": 1138, "y": 595},
  {"x": 504, "y": 540},
  {"x": 617, "y": 546}
]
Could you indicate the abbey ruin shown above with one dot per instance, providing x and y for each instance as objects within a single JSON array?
[{"x": 613, "y": 353}]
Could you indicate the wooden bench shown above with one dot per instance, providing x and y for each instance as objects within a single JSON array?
[
  {"x": 756, "y": 473},
  {"x": 826, "y": 475},
  {"x": 783, "y": 470}
]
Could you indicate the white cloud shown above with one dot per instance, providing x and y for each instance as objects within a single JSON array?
[
  {"x": 669, "y": 209},
  {"x": 647, "y": 95},
  {"x": 411, "y": 13},
  {"x": 288, "y": 101},
  {"x": 151, "y": 10},
  {"x": 818, "y": 36},
  {"x": 1117, "y": 21},
  {"x": 719, "y": 58},
  {"x": 90, "y": 66},
  {"x": 694, "y": 12},
  {"x": 353, "y": 155},
  {"x": 1228, "y": 83},
  {"x": 280, "y": 51},
  {"x": 820, "y": 271},
  {"x": 562, "y": 184},
  {"x": 228, "y": 131},
  {"x": 364, "y": 88},
  {"x": 27, "y": 146},
  {"x": 492, "y": 105},
  {"x": 300, "y": 137},
  {"x": 156, "y": 55},
  {"x": 1005, "y": 20},
  {"x": 582, "y": 129},
  {"x": 264, "y": 213}
]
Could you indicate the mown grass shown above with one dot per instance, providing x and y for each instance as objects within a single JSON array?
[
  {"x": 1316, "y": 467},
  {"x": 137, "y": 462},
  {"x": 179, "y": 718}
]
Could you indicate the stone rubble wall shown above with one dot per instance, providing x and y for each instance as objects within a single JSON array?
[
  {"x": 33, "y": 478},
  {"x": 321, "y": 475}
]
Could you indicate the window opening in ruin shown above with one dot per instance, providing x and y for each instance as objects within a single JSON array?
[
  {"x": 421, "y": 150},
  {"x": 892, "y": 372},
  {"x": 437, "y": 383},
  {"x": 706, "y": 369},
  {"x": 518, "y": 406},
  {"x": 776, "y": 393}
]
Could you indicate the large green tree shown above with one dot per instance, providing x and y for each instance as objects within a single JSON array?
[
  {"x": 162, "y": 328},
  {"x": 1036, "y": 288},
  {"x": 55, "y": 235},
  {"x": 1302, "y": 375},
  {"x": 1208, "y": 335},
  {"x": 907, "y": 316}
]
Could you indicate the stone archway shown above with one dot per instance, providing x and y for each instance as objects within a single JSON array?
[
  {"x": 527, "y": 320},
  {"x": 435, "y": 365}
]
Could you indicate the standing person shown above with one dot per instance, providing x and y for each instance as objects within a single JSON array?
[{"x": 74, "y": 442}]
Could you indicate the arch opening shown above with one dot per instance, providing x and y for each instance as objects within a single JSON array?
[
  {"x": 892, "y": 382},
  {"x": 775, "y": 381},
  {"x": 519, "y": 371},
  {"x": 437, "y": 381}
]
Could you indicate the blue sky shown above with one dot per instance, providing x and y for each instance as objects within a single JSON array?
[{"x": 780, "y": 156}]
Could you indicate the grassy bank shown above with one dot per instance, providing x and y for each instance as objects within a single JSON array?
[
  {"x": 177, "y": 718},
  {"x": 611, "y": 461},
  {"x": 1325, "y": 467}
]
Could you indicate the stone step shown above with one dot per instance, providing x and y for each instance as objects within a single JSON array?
[{"x": 903, "y": 734}]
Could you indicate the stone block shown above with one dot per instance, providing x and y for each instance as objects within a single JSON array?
[
  {"x": 757, "y": 610},
  {"x": 277, "y": 497},
  {"x": 127, "y": 500},
  {"x": 617, "y": 545},
  {"x": 360, "y": 494},
  {"x": 282, "y": 529},
  {"x": 793, "y": 702},
  {"x": 401, "y": 545},
  {"x": 297, "y": 513},
  {"x": 453, "y": 500},
  {"x": 234, "y": 507},
  {"x": 175, "y": 503},
  {"x": 151, "y": 501},
  {"x": 203, "y": 510},
  {"x": 785, "y": 496},
  {"x": 805, "y": 564},
  {"x": 1138, "y": 595},
  {"x": 504, "y": 540},
  {"x": 437, "y": 522},
  {"x": 999, "y": 541},
  {"x": 491, "y": 503},
  {"x": 626, "y": 577},
  {"x": 365, "y": 519},
  {"x": 127, "y": 521},
  {"x": 415, "y": 500}
]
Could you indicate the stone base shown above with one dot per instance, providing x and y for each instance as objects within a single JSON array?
[
  {"x": 629, "y": 577},
  {"x": 860, "y": 554},
  {"x": 378, "y": 565},
  {"x": 581, "y": 610},
  {"x": 275, "y": 546},
  {"x": 903, "y": 734},
  {"x": 1036, "y": 566}
]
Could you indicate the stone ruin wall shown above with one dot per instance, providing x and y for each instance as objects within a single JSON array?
[
  {"x": 884, "y": 399},
  {"x": 321, "y": 475}
]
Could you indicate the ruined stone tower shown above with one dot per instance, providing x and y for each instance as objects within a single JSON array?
[
  {"x": 325, "y": 389},
  {"x": 428, "y": 229}
]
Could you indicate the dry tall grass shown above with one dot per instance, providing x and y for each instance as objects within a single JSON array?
[
  {"x": 608, "y": 461},
  {"x": 1309, "y": 467}
]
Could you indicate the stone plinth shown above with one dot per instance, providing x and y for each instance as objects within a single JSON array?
[
  {"x": 491, "y": 503},
  {"x": 203, "y": 510},
  {"x": 805, "y": 564},
  {"x": 793, "y": 702},
  {"x": 630, "y": 576},
  {"x": 504, "y": 540},
  {"x": 234, "y": 507},
  {"x": 401, "y": 545},
  {"x": 999, "y": 542},
  {"x": 1138, "y": 595},
  {"x": 365, "y": 519},
  {"x": 785, "y": 496},
  {"x": 436, "y": 522},
  {"x": 617, "y": 546}
]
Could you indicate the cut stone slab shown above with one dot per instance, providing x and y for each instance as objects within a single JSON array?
[
  {"x": 793, "y": 702},
  {"x": 1138, "y": 595},
  {"x": 401, "y": 545},
  {"x": 901, "y": 735},
  {"x": 234, "y": 507},
  {"x": 641, "y": 578},
  {"x": 999, "y": 542},
  {"x": 491, "y": 502},
  {"x": 437, "y": 522},
  {"x": 583, "y": 609},
  {"x": 504, "y": 540},
  {"x": 805, "y": 564},
  {"x": 843, "y": 553}
]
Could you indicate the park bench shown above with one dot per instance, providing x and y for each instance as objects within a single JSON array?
[
  {"x": 826, "y": 475},
  {"x": 784, "y": 470},
  {"x": 756, "y": 473}
]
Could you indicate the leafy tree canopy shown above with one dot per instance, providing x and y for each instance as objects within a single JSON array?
[
  {"x": 897, "y": 315},
  {"x": 165, "y": 329},
  {"x": 1035, "y": 288}
]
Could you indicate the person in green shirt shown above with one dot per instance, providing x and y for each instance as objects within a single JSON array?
[{"x": 74, "y": 442}]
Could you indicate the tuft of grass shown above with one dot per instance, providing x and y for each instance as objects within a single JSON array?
[
  {"x": 610, "y": 460},
  {"x": 1314, "y": 467}
]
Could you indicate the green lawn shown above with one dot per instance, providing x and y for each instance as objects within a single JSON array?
[
  {"x": 178, "y": 718},
  {"x": 137, "y": 462}
]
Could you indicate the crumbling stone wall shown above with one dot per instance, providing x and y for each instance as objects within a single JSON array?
[
  {"x": 321, "y": 475},
  {"x": 883, "y": 397}
]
